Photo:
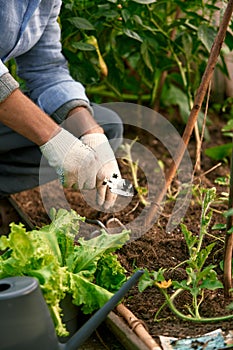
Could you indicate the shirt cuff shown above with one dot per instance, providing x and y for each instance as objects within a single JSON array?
[
  {"x": 61, "y": 113},
  {"x": 7, "y": 85},
  {"x": 3, "y": 68},
  {"x": 55, "y": 96}
]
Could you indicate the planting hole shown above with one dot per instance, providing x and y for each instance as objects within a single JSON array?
[{"x": 4, "y": 286}]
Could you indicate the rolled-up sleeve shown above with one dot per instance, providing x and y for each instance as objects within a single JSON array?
[
  {"x": 3, "y": 68},
  {"x": 46, "y": 72}
]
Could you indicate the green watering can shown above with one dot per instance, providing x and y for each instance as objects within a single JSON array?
[{"x": 25, "y": 321}]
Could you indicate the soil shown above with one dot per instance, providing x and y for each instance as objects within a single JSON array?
[{"x": 158, "y": 248}]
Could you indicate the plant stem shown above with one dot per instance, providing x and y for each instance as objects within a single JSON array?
[
  {"x": 193, "y": 319},
  {"x": 134, "y": 169},
  {"x": 106, "y": 92}
]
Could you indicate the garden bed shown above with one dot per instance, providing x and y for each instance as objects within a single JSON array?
[{"x": 156, "y": 248}]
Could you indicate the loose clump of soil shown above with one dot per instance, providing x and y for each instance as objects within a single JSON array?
[{"x": 156, "y": 248}]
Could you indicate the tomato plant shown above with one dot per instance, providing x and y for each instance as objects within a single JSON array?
[{"x": 143, "y": 51}]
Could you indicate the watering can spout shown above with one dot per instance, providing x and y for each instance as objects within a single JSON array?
[{"x": 90, "y": 326}]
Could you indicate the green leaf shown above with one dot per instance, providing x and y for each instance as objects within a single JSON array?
[
  {"x": 219, "y": 152},
  {"x": 131, "y": 34},
  {"x": 83, "y": 46},
  {"x": 228, "y": 126},
  {"x": 203, "y": 255},
  {"x": 228, "y": 213},
  {"x": 145, "y": 281},
  {"x": 206, "y": 34},
  {"x": 146, "y": 55},
  {"x": 183, "y": 285},
  {"x": 219, "y": 227},
  {"x": 177, "y": 97},
  {"x": 88, "y": 252},
  {"x": 190, "y": 239},
  {"x": 81, "y": 23},
  {"x": 229, "y": 40},
  {"x": 49, "y": 254},
  {"x": 86, "y": 294},
  {"x": 187, "y": 45},
  {"x": 210, "y": 195},
  {"x": 145, "y": 2},
  {"x": 210, "y": 280},
  {"x": 110, "y": 274},
  {"x": 222, "y": 180}
]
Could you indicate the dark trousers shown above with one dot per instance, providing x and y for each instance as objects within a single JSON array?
[{"x": 20, "y": 159}]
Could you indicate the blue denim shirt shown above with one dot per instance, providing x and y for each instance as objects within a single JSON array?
[{"x": 31, "y": 34}]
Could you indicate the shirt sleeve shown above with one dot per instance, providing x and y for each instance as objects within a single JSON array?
[
  {"x": 45, "y": 71},
  {"x": 3, "y": 68}
]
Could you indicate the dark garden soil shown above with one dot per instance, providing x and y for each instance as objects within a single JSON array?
[{"x": 157, "y": 248}]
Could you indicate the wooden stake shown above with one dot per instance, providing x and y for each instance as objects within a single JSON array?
[
  {"x": 198, "y": 100},
  {"x": 138, "y": 327},
  {"x": 228, "y": 241}
]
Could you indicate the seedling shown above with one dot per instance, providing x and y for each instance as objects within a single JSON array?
[
  {"x": 200, "y": 276},
  {"x": 128, "y": 159}
]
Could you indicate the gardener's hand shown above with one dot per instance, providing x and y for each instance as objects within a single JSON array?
[
  {"x": 75, "y": 162},
  {"x": 106, "y": 167}
]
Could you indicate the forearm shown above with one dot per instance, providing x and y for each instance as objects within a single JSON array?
[
  {"x": 20, "y": 114},
  {"x": 80, "y": 122}
]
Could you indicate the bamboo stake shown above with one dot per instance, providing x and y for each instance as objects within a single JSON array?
[
  {"x": 137, "y": 327},
  {"x": 228, "y": 241},
  {"x": 198, "y": 100}
]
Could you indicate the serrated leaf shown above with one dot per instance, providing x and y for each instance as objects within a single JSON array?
[
  {"x": 183, "y": 285},
  {"x": 190, "y": 239},
  {"x": 209, "y": 197},
  {"x": 211, "y": 284}
]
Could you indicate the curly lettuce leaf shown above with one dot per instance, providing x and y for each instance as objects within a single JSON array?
[
  {"x": 51, "y": 256},
  {"x": 110, "y": 274},
  {"x": 88, "y": 252},
  {"x": 86, "y": 294}
]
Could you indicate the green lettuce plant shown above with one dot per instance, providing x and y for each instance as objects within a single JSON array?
[{"x": 64, "y": 263}]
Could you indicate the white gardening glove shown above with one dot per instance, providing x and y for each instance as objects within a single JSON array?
[
  {"x": 107, "y": 167},
  {"x": 75, "y": 163}
]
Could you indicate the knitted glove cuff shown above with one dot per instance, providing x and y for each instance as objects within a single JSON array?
[
  {"x": 57, "y": 147},
  {"x": 7, "y": 85}
]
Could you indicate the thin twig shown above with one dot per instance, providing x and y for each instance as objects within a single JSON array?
[
  {"x": 207, "y": 171},
  {"x": 197, "y": 166}
]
